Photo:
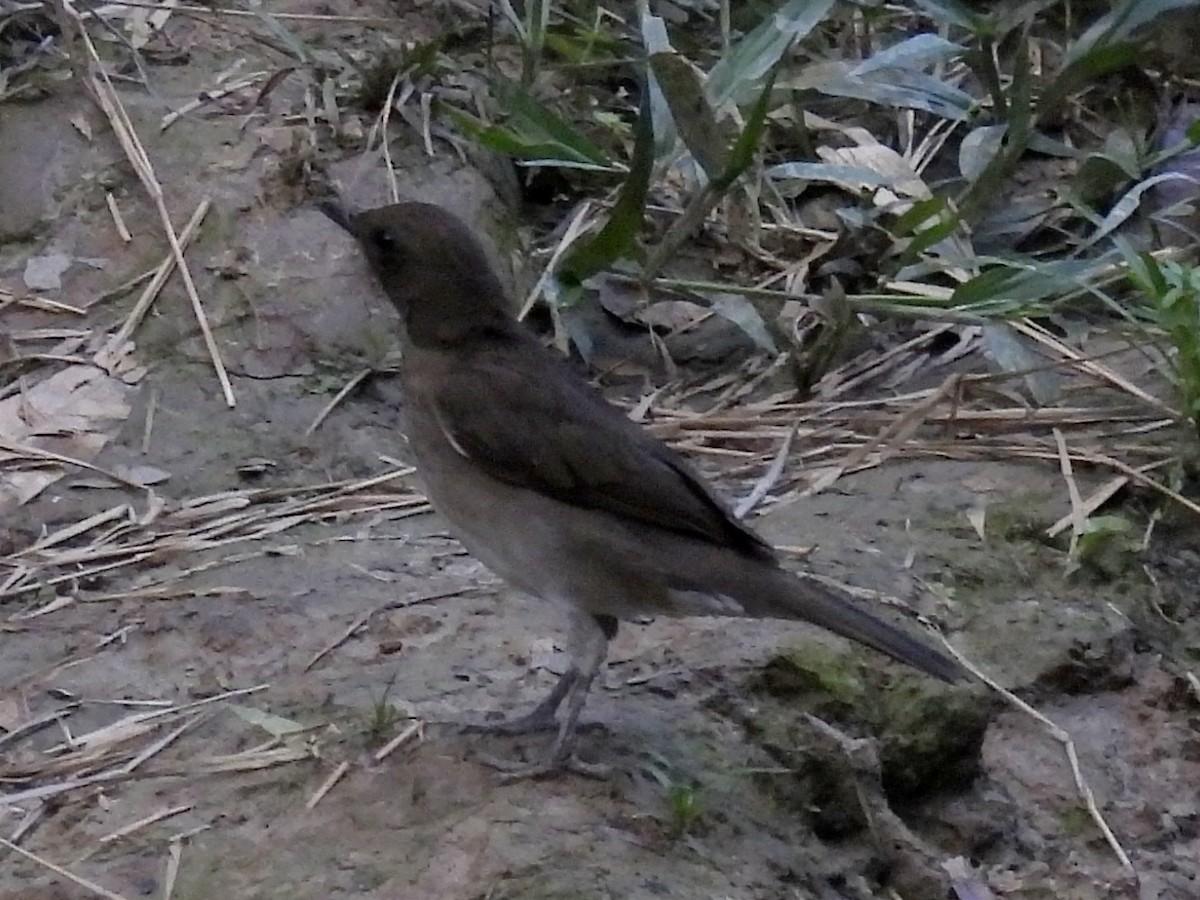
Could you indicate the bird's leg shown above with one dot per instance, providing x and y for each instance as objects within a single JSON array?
[
  {"x": 589, "y": 647},
  {"x": 590, "y": 635},
  {"x": 540, "y": 718}
]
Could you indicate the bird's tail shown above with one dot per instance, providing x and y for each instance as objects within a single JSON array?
[{"x": 775, "y": 593}]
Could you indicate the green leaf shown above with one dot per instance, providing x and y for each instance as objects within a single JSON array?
[
  {"x": 1120, "y": 23},
  {"x": 1013, "y": 285},
  {"x": 929, "y": 222},
  {"x": 504, "y": 140},
  {"x": 850, "y": 177},
  {"x": 758, "y": 52},
  {"x": 297, "y": 47},
  {"x": 747, "y": 143},
  {"x": 532, "y": 132},
  {"x": 742, "y": 313},
  {"x": 894, "y": 86},
  {"x": 620, "y": 232},
  {"x": 952, "y": 12},
  {"x": 529, "y": 117},
  {"x": 1143, "y": 269},
  {"x": 911, "y": 53},
  {"x": 979, "y": 148}
]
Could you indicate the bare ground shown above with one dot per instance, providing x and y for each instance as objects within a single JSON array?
[{"x": 720, "y": 786}]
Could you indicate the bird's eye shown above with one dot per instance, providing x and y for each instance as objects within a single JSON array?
[{"x": 385, "y": 240}]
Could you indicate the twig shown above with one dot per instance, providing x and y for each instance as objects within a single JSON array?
[
  {"x": 770, "y": 477},
  {"x": 337, "y": 398},
  {"x": 249, "y": 13},
  {"x": 207, "y": 96},
  {"x": 385, "y": 117},
  {"x": 148, "y": 424},
  {"x": 158, "y": 277},
  {"x": 1059, "y": 734},
  {"x": 106, "y": 96},
  {"x": 367, "y": 616},
  {"x": 118, "y": 220},
  {"x": 126, "y": 830},
  {"x": 59, "y": 870},
  {"x": 416, "y": 728},
  {"x": 327, "y": 785},
  {"x": 1097, "y": 499}
]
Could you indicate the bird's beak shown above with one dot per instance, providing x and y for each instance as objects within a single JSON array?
[{"x": 337, "y": 213}]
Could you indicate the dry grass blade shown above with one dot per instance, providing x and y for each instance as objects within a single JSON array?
[
  {"x": 72, "y": 531},
  {"x": 584, "y": 216},
  {"x": 200, "y": 524},
  {"x": 1060, "y": 735},
  {"x": 144, "y": 822},
  {"x": 208, "y": 96},
  {"x": 1077, "y": 512},
  {"x": 40, "y": 455},
  {"x": 892, "y": 436},
  {"x": 247, "y": 13},
  {"x": 1038, "y": 333},
  {"x": 110, "y": 103},
  {"x": 327, "y": 785},
  {"x": 385, "y": 116},
  {"x": 770, "y": 477},
  {"x": 174, "y": 858},
  {"x": 84, "y": 883},
  {"x": 1141, "y": 478},
  {"x": 1098, "y": 498},
  {"x": 246, "y": 761},
  {"x": 362, "y": 620},
  {"x": 329, "y": 407},
  {"x": 37, "y": 724},
  {"x": 416, "y": 729},
  {"x": 117, "y": 752},
  {"x": 118, "y": 219},
  {"x": 158, "y": 277}
]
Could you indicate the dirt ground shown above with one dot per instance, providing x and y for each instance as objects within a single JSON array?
[{"x": 272, "y": 784}]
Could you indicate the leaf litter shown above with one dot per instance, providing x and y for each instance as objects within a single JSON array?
[{"x": 957, "y": 418}]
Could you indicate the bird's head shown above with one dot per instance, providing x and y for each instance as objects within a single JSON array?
[{"x": 430, "y": 266}]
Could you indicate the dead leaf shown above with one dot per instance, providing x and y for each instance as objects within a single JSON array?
[
  {"x": 13, "y": 712},
  {"x": 671, "y": 315},
  {"x": 44, "y": 273},
  {"x": 74, "y": 412},
  {"x": 978, "y": 519}
]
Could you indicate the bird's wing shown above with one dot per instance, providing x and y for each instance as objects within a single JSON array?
[{"x": 529, "y": 421}]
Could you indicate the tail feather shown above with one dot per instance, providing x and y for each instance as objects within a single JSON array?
[{"x": 776, "y": 594}]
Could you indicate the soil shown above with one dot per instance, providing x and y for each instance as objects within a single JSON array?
[{"x": 720, "y": 784}]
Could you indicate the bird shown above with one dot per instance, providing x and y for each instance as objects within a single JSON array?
[{"x": 555, "y": 489}]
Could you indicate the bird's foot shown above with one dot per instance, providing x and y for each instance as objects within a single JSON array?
[
  {"x": 541, "y": 718},
  {"x": 530, "y": 723},
  {"x": 518, "y": 770}
]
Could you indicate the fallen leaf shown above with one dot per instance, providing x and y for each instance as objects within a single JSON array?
[
  {"x": 44, "y": 273},
  {"x": 74, "y": 413}
]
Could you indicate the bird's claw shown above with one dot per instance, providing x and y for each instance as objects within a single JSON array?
[
  {"x": 513, "y": 770},
  {"x": 528, "y": 724}
]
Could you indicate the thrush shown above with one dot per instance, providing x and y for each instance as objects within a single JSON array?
[{"x": 556, "y": 490}]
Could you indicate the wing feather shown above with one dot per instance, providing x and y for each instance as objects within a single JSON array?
[{"x": 557, "y": 436}]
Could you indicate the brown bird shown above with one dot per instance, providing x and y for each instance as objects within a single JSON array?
[{"x": 557, "y": 491}]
